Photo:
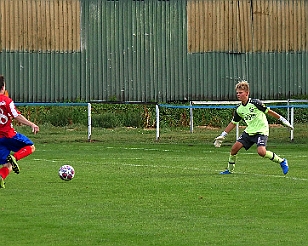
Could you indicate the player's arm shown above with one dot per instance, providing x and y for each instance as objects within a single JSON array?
[
  {"x": 222, "y": 136},
  {"x": 21, "y": 119},
  {"x": 13, "y": 112},
  {"x": 236, "y": 119},
  {"x": 229, "y": 127},
  {"x": 282, "y": 119},
  {"x": 272, "y": 113}
]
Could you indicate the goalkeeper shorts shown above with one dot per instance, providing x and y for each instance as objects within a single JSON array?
[{"x": 248, "y": 141}]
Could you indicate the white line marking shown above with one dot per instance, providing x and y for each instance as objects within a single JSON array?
[
  {"x": 165, "y": 150},
  {"x": 199, "y": 169},
  {"x": 272, "y": 176},
  {"x": 58, "y": 160},
  {"x": 155, "y": 166}
]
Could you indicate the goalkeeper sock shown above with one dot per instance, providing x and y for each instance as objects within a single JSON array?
[
  {"x": 273, "y": 157},
  {"x": 231, "y": 163},
  {"x": 23, "y": 152},
  {"x": 4, "y": 172}
]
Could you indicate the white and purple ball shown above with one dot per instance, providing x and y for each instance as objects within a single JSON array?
[{"x": 66, "y": 172}]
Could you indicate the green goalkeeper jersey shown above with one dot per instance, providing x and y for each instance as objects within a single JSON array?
[{"x": 254, "y": 114}]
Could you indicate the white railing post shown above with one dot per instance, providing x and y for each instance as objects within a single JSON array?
[
  {"x": 292, "y": 123},
  {"x": 191, "y": 123},
  {"x": 89, "y": 122},
  {"x": 157, "y": 122},
  {"x": 288, "y": 110}
]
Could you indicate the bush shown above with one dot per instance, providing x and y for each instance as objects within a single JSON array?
[
  {"x": 133, "y": 119},
  {"x": 55, "y": 115},
  {"x": 107, "y": 120},
  {"x": 129, "y": 115}
]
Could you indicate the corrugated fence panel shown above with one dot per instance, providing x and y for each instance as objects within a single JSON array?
[
  {"x": 219, "y": 25},
  {"x": 213, "y": 75},
  {"x": 40, "y": 49},
  {"x": 275, "y": 75},
  {"x": 142, "y": 45},
  {"x": 40, "y": 25},
  {"x": 43, "y": 77},
  {"x": 247, "y": 26},
  {"x": 151, "y": 50}
]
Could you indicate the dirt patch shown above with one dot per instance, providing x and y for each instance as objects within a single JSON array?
[
  {"x": 208, "y": 127},
  {"x": 275, "y": 125}
]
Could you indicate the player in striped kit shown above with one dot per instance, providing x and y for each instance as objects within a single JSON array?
[{"x": 10, "y": 140}]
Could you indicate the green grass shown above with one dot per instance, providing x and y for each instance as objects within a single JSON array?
[{"x": 132, "y": 190}]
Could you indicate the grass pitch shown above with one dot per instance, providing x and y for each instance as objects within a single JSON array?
[{"x": 131, "y": 190}]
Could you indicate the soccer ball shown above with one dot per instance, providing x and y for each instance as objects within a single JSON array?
[{"x": 66, "y": 172}]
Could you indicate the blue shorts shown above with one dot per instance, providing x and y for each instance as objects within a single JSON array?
[
  {"x": 12, "y": 144},
  {"x": 248, "y": 141}
]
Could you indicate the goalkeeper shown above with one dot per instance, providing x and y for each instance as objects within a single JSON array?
[{"x": 253, "y": 112}]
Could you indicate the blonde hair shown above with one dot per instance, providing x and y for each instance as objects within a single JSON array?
[{"x": 242, "y": 85}]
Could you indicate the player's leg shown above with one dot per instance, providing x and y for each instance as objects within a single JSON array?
[
  {"x": 24, "y": 152},
  {"x": 2, "y": 184},
  {"x": 5, "y": 167},
  {"x": 245, "y": 141},
  {"x": 12, "y": 160},
  {"x": 272, "y": 156},
  {"x": 22, "y": 146},
  {"x": 277, "y": 159},
  {"x": 232, "y": 158},
  {"x": 262, "y": 151},
  {"x": 4, "y": 172}
]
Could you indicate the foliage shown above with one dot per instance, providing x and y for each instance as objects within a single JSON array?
[
  {"x": 107, "y": 120},
  {"x": 137, "y": 115},
  {"x": 55, "y": 115}
]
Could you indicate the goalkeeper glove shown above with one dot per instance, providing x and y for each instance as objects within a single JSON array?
[
  {"x": 286, "y": 123},
  {"x": 220, "y": 139}
]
